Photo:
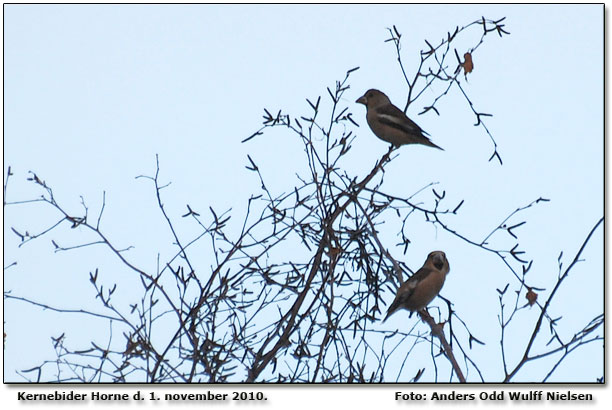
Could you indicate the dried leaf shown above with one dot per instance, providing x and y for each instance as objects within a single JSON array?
[
  {"x": 468, "y": 64},
  {"x": 531, "y": 297}
]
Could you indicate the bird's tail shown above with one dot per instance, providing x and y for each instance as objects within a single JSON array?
[
  {"x": 431, "y": 144},
  {"x": 392, "y": 309}
]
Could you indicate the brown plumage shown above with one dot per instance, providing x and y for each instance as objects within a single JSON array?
[
  {"x": 422, "y": 287},
  {"x": 389, "y": 123}
]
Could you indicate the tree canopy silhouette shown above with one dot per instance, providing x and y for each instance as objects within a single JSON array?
[{"x": 296, "y": 288}]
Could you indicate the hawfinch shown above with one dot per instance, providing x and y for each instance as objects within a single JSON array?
[
  {"x": 423, "y": 286},
  {"x": 389, "y": 123}
]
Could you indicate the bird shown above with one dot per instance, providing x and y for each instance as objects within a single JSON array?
[
  {"x": 389, "y": 123},
  {"x": 422, "y": 287}
]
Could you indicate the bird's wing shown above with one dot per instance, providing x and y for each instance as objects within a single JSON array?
[
  {"x": 392, "y": 116},
  {"x": 419, "y": 276},
  {"x": 406, "y": 291}
]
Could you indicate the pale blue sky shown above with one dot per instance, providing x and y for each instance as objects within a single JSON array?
[{"x": 93, "y": 92}]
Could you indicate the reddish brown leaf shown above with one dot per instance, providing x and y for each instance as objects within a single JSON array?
[
  {"x": 468, "y": 64},
  {"x": 531, "y": 297}
]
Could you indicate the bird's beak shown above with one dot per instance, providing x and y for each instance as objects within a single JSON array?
[
  {"x": 438, "y": 260},
  {"x": 362, "y": 100}
]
